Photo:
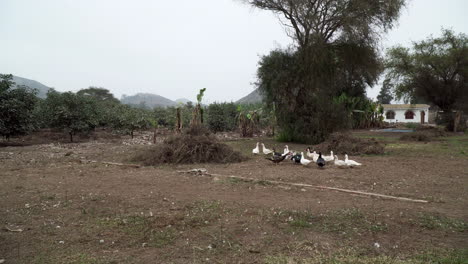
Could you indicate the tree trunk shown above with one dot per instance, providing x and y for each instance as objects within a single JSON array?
[
  {"x": 456, "y": 121},
  {"x": 131, "y": 133},
  {"x": 71, "y": 136},
  {"x": 179, "y": 121},
  {"x": 197, "y": 118},
  {"x": 154, "y": 136}
]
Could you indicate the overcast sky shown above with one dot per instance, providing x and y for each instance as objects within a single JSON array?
[{"x": 170, "y": 48}]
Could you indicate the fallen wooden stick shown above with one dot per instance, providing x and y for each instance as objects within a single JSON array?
[
  {"x": 111, "y": 163},
  {"x": 121, "y": 164},
  {"x": 320, "y": 187}
]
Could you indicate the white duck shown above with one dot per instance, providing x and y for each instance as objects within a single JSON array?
[
  {"x": 339, "y": 163},
  {"x": 256, "y": 150},
  {"x": 286, "y": 150},
  {"x": 329, "y": 158},
  {"x": 351, "y": 163},
  {"x": 312, "y": 155},
  {"x": 304, "y": 161},
  {"x": 265, "y": 150}
]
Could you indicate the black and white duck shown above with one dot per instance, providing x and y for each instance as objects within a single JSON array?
[{"x": 320, "y": 161}]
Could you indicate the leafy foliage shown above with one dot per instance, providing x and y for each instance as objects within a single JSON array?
[
  {"x": 336, "y": 53},
  {"x": 16, "y": 108},
  {"x": 106, "y": 103},
  {"x": 130, "y": 119},
  {"x": 385, "y": 96},
  {"x": 222, "y": 117},
  {"x": 71, "y": 112},
  {"x": 435, "y": 69}
]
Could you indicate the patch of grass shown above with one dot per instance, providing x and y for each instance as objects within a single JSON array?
[
  {"x": 301, "y": 219},
  {"x": 346, "y": 221},
  {"x": 451, "y": 145},
  {"x": 454, "y": 256},
  {"x": 67, "y": 257},
  {"x": 433, "y": 222},
  {"x": 83, "y": 258},
  {"x": 412, "y": 125},
  {"x": 416, "y": 136},
  {"x": 140, "y": 229},
  {"x": 351, "y": 256},
  {"x": 202, "y": 213},
  {"x": 162, "y": 238}
]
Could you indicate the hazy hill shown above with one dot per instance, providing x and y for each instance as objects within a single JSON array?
[
  {"x": 149, "y": 100},
  {"x": 41, "y": 88},
  {"x": 253, "y": 97}
]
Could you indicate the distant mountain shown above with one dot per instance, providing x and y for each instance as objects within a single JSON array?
[
  {"x": 147, "y": 99},
  {"x": 41, "y": 88},
  {"x": 251, "y": 98}
]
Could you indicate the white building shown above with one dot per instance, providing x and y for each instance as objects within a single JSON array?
[{"x": 406, "y": 113}]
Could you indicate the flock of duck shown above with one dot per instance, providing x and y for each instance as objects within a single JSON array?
[{"x": 317, "y": 158}]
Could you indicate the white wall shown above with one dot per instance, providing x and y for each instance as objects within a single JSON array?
[{"x": 400, "y": 116}]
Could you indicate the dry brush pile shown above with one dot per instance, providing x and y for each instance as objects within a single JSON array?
[
  {"x": 425, "y": 134},
  {"x": 341, "y": 143},
  {"x": 195, "y": 145}
]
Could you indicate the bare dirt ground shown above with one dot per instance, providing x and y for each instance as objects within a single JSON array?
[{"x": 56, "y": 207}]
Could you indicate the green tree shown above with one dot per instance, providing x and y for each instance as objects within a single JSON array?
[
  {"x": 131, "y": 119},
  {"x": 71, "y": 112},
  {"x": 435, "y": 70},
  {"x": 106, "y": 103},
  {"x": 99, "y": 94},
  {"x": 335, "y": 52},
  {"x": 385, "y": 96},
  {"x": 222, "y": 117},
  {"x": 16, "y": 108}
]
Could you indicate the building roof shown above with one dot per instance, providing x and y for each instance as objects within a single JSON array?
[{"x": 405, "y": 106}]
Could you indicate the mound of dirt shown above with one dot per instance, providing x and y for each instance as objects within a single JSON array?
[
  {"x": 432, "y": 131},
  {"x": 193, "y": 146},
  {"x": 424, "y": 133},
  {"x": 341, "y": 143},
  {"x": 416, "y": 136}
]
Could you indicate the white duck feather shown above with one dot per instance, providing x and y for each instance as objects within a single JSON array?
[
  {"x": 304, "y": 161},
  {"x": 256, "y": 150},
  {"x": 351, "y": 163},
  {"x": 265, "y": 150}
]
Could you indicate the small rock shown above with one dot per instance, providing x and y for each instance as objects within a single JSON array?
[
  {"x": 2, "y": 261},
  {"x": 144, "y": 244},
  {"x": 377, "y": 245},
  {"x": 101, "y": 241},
  {"x": 69, "y": 153},
  {"x": 61, "y": 242},
  {"x": 303, "y": 190}
]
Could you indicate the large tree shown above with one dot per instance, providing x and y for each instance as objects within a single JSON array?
[
  {"x": 335, "y": 53},
  {"x": 106, "y": 104},
  {"x": 99, "y": 94},
  {"x": 16, "y": 107},
  {"x": 385, "y": 96},
  {"x": 435, "y": 70},
  {"x": 71, "y": 112}
]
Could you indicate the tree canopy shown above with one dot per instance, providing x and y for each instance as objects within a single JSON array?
[
  {"x": 435, "y": 69},
  {"x": 71, "y": 112},
  {"x": 385, "y": 95},
  {"x": 335, "y": 53},
  {"x": 16, "y": 107}
]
